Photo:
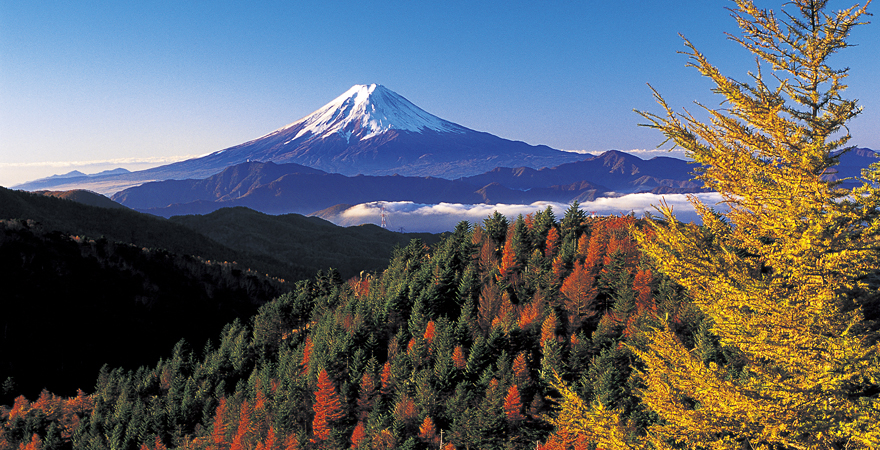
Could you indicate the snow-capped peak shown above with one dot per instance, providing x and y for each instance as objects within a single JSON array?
[{"x": 365, "y": 111}]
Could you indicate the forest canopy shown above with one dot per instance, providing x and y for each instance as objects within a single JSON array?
[{"x": 756, "y": 329}]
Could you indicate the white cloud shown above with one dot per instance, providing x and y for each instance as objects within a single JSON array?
[{"x": 416, "y": 217}]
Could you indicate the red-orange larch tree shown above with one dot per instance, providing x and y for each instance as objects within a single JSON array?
[
  {"x": 458, "y": 358},
  {"x": 551, "y": 243},
  {"x": 327, "y": 407},
  {"x": 242, "y": 434},
  {"x": 642, "y": 284},
  {"x": 580, "y": 292},
  {"x": 548, "y": 328},
  {"x": 513, "y": 404},
  {"x": 366, "y": 395},
  {"x": 271, "y": 442},
  {"x": 387, "y": 379},
  {"x": 428, "y": 431},
  {"x": 358, "y": 435},
  {"x": 35, "y": 443},
  {"x": 521, "y": 369},
  {"x": 218, "y": 434},
  {"x": 430, "y": 332},
  {"x": 307, "y": 354}
]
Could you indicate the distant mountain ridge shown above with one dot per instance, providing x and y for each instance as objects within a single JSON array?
[
  {"x": 617, "y": 171},
  {"x": 73, "y": 176},
  {"x": 285, "y": 188},
  {"x": 292, "y": 188},
  {"x": 368, "y": 130},
  {"x": 204, "y": 236}
]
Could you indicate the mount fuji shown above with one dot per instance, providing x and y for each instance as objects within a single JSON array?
[{"x": 368, "y": 130}]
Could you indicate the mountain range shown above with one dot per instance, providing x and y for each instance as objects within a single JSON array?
[
  {"x": 371, "y": 144},
  {"x": 285, "y": 188},
  {"x": 368, "y": 130}
]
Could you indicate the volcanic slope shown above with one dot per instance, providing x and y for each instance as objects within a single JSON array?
[{"x": 368, "y": 130}]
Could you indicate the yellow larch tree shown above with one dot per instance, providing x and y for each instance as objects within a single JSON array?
[{"x": 783, "y": 269}]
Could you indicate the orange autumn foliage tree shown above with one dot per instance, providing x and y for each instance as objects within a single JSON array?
[
  {"x": 642, "y": 284},
  {"x": 327, "y": 407},
  {"x": 291, "y": 442},
  {"x": 218, "y": 433},
  {"x": 551, "y": 243},
  {"x": 548, "y": 328},
  {"x": 528, "y": 314},
  {"x": 513, "y": 404},
  {"x": 428, "y": 431},
  {"x": 430, "y": 332},
  {"x": 271, "y": 441},
  {"x": 458, "y": 358},
  {"x": 239, "y": 441},
  {"x": 307, "y": 354},
  {"x": 405, "y": 410},
  {"x": 580, "y": 291},
  {"x": 521, "y": 369},
  {"x": 509, "y": 261},
  {"x": 35, "y": 443},
  {"x": 358, "y": 435},
  {"x": 387, "y": 379},
  {"x": 366, "y": 395}
]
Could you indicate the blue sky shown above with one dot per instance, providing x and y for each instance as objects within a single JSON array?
[{"x": 147, "y": 82}]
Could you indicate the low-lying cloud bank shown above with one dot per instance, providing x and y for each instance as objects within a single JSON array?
[{"x": 415, "y": 217}]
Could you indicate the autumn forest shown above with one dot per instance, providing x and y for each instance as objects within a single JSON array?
[
  {"x": 756, "y": 328},
  {"x": 460, "y": 342}
]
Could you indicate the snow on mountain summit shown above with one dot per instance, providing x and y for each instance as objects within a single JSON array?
[{"x": 365, "y": 111}]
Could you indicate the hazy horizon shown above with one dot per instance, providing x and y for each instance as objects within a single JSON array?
[
  {"x": 13, "y": 174},
  {"x": 113, "y": 81}
]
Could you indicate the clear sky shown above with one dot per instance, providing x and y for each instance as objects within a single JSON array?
[{"x": 148, "y": 82}]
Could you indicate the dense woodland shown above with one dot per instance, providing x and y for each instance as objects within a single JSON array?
[
  {"x": 755, "y": 329},
  {"x": 87, "y": 272},
  {"x": 81, "y": 302},
  {"x": 458, "y": 342}
]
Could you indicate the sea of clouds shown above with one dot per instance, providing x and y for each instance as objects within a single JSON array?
[{"x": 437, "y": 218}]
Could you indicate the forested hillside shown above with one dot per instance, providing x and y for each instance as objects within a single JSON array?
[
  {"x": 85, "y": 286},
  {"x": 71, "y": 304},
  {"x": 756, "y": 329},
  {"x": 458, "y": 342},
  {"x": 307, "y": 243},
  {"x": 299, "y": 245}
]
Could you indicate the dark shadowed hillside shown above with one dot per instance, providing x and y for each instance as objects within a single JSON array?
[
  {"x": 80, "y": 303},
  {"x": 306, "y": 241},
  {"x": 85, "y": 197},
  {"x": 227, "y": 236},
  {"x": 120, "y": 225},
  {"x": 86, "y": 285}
]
